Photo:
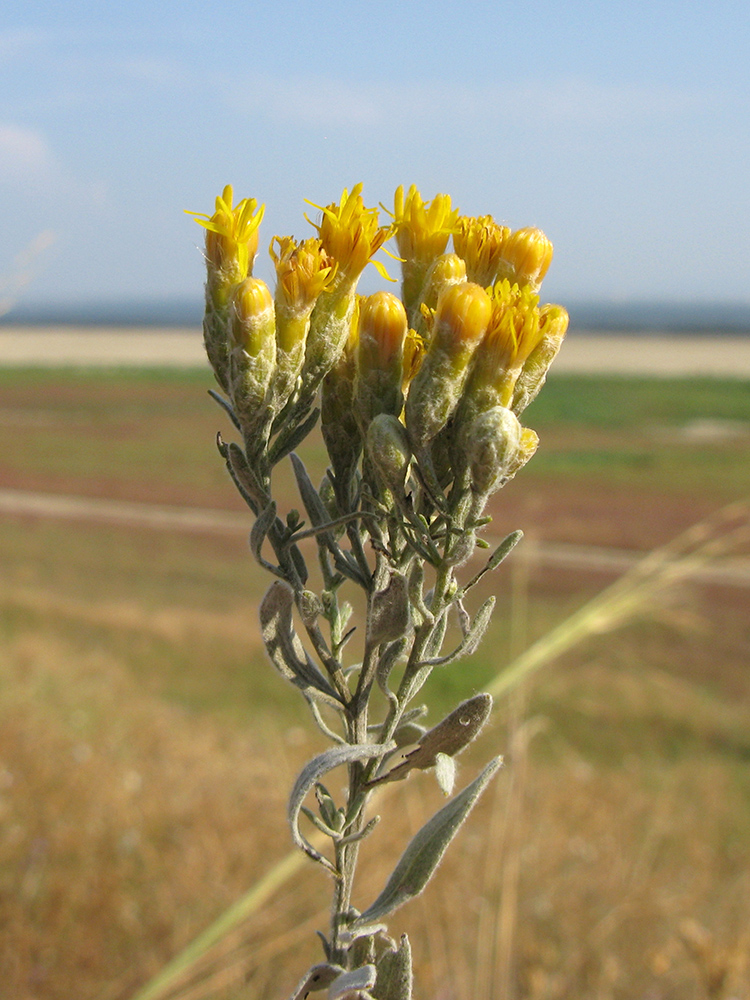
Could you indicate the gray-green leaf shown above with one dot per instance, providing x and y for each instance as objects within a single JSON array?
[
  {"x": 284, "y": 648},
  {"x": 352, "y": 984},
  {"x": 471, "y": 640},
  {"x": 389, "y": 616},
  {"x": 425, "y": 852},
  {"x": 449, "y": 737},
  {"x": 312, "y": 773}
]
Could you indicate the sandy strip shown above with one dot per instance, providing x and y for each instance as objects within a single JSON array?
[
  {"x": 182, "y": 348},
  {"x": 161, "y": 517}
]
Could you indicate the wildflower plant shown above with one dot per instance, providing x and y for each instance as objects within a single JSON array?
[{"x": 419, "y": 400}]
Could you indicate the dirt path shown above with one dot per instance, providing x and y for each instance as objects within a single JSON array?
[
  {"x": 162, "y": 517},
  {"x": 656, "y": 354}
]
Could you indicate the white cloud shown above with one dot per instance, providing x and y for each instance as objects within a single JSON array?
[{"x": 24, "y": 153}]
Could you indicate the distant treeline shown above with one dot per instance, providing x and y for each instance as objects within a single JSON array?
[{"x": 605, "y": 317}]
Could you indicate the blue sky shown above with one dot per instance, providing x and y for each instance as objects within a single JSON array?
[{"x": 621, "y": 128}]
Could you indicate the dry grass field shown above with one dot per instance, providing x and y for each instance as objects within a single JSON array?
[{"x": 147, "y": 750}]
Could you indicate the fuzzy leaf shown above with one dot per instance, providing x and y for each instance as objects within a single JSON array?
[
  {"x": 503, "y": 550},
  {"x": 284, "y": 648},
  {"x": 260, "y": 529},
  {"x": 449, "y": 737},
  {"x": 317, "y": 978},
  {"x": 426, "y": 850},
  {"x": 314, "y": 506},
  {"x": 389, "y": 615},
  {"x": 395, "y": 979},
  {"x": 310, "y": 776},
  {"x": 226, "y": 406},
  {"x": 471, "y": 640},
  {"x": 318, "y": 515},
  {"x": 243, "y": 473},
  {"x": 288, "y": 440},
  {"x": 351, "y": 985}
]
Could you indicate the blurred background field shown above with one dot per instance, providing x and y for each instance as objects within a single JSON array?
[{"x": 147, "y": 750}]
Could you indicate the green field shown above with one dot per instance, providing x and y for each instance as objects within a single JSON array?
[{"x": 146, "y": 748}]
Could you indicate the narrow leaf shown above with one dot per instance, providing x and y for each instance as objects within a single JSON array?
[
  {"x": 258, "y": 534},
  {"x": 284, "y": 648},
  {"x": 449, "y": 737},
  {"x": 389, "y": 617},
  {"x": 471, "y": 640},
  {"x": 351, "y": 984},
  {"x": 288, "y": 441},
  {"x": 319, "y": 518},
  {"x": 318, "y": 978},
  {"x": 312, "y": 773},
  {"x": 503, "y": 550},
  {"x": 226, "y": 406},
  {"x": 426, "y": 850},
  {"x": 314, "y": 506}
]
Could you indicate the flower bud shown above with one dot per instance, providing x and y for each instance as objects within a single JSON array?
[
  {"x": 380, "y": 356},
  {"x": 527, "y": 255},
  {"x": 447, "y": 270},
  {"x": 388, "y": 450},
  {"x": 479, "y": 242},
  {"x": 553, "y": 323},
  {"x": 461, "y": 319},
  {"x": 491, "y": 442},
  {"x": 252, "y": 316},
  {"x": 253, "y": 354},
  {"x": 231, "y": 245},
  {"x": 526, "y": 449}
]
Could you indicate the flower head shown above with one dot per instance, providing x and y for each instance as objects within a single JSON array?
[
  {"x": 479, "y": 241},
  {"x": 527, "y": 255},
  {"x": 303, "y": 271},
  {"x": 512, "y": 334},
  {"x": 422, "y": 229},
  {"x": 513, "y": 330},
  {"x": 350, "y": 234},
  {"x": 232, "y": 233}
]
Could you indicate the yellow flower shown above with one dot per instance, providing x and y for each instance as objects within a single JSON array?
[
  {"x": 553, "y": 324},
  {"x": 414, "y": 352},
  {"x": 422, "y": 229},
  {"x": 232, "y": 237},
  {"x": 527, "y": 255},
  {"x": 512, "y": 334},
  {"x": 422, "y": 234},
  {"x": 513, "y": 331},
  {"x": 350, "y": 234},
  {"x": 303, "y": 271},
  {"x": 479, "y": 242}
]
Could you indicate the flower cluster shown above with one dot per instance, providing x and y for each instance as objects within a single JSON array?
[{"x": 434, "y": 381}]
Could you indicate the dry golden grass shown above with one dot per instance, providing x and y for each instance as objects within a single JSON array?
[{"x": 129, "y": 823}]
